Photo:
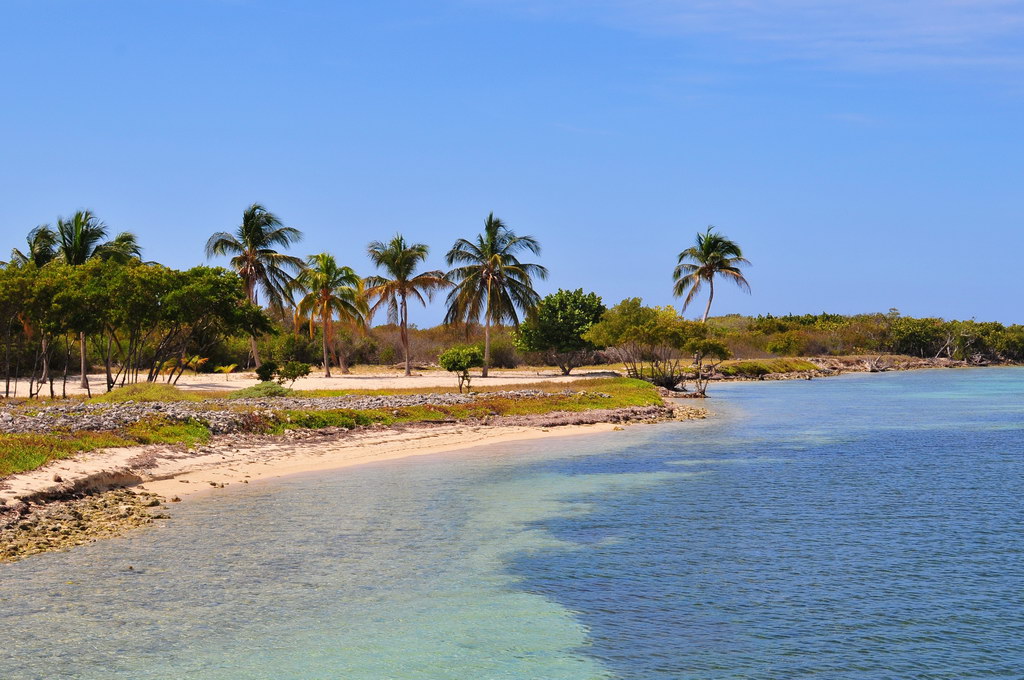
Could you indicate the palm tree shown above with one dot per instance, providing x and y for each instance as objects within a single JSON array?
[
  {"x": 399, "y": 260},
  {"x": 42, "y": 247},
  {"x": 492, "y": 281},
  {"x": 78, "y": 240},
  {"x": 330, "y": 290},
  {"x": 255, "y": 259},
  {"x": 713, "y": 254}
]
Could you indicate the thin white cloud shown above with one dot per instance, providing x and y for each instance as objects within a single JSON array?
[{"x": 859, "y": 33}]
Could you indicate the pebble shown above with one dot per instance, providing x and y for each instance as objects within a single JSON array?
[{"x": 221, "y": 416}]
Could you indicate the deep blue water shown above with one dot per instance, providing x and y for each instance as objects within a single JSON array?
[{"x": 861, "y": 527}]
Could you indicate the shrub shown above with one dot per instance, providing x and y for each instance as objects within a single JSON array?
[
  {"x": 265, "y": 372},
  {"x": 459, "y": 360},
  {"x": 292, "y": 371},
  {"x": 261, "y": 390},
  {"x": 503, "y": 353},
  {"x": 786, "y": 344},
  {"x": 387, "y": 355}
]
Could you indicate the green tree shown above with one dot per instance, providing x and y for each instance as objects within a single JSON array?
[
  {"x": 557, "y": 325},
  {"x": 712, "y": 255},
  {"x": 916, "y": 337},
  {"x": 649, "y": 341},
  {"x": 330, "y": 290},
  {"x": 459, "y": 360},
  {"x": 707, "y": 353},
  {"x": 399, "y": 260},
  {"x": 491, "y": 281},
  {"x": 78, "y": 240},
  {"x": 254, "y": 257}
]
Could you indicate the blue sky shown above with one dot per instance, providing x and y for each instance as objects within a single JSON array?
[{"x": 867, "y": 155}]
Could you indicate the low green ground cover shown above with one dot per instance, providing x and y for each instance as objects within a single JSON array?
[
  {"x": 21, "y": 452},
  {"x": 753, "y": 368},
  {"x": 146, "y": 392}
]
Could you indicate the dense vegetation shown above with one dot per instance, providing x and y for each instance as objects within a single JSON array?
[{"x": 837, "y": 335}]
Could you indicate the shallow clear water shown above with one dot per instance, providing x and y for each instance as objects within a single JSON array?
[{"x": 859, "y": 527}]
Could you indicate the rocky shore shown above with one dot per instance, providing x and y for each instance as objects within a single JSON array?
[
  {"x": 221, "y": 416},
  {"x": 832, "y": 366},
  {"x": 73, "y": 502},
  {"x": 31, "y": 529}
]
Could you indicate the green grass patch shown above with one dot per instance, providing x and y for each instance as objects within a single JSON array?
[
  {"x": 318, "y": 419},
  {"x": 754, "y": 368},
  {"x": 261, "y": 391},
  {"x": 585, "y": 395},
  {"x": 22, "y": 452},
  {"x": 158, "y": 431},
  {"x": 146, "y": 392}
]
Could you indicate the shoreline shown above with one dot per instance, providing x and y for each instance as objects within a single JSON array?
[{"x": 42, "y": 510}]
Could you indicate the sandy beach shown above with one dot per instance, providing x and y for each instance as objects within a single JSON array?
[
  {"x": 361, "y": 378},
  {"x": 173, "y": 471}
]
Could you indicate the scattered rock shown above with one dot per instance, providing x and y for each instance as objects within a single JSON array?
[{"x": 63, "y": 524}]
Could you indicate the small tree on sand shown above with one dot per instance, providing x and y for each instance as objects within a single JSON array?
[
  {"x": 459, "y": 360},
  {"x": 707, "y": 354}
]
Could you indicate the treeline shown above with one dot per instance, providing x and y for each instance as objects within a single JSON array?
[
  {"x": 137, "y": 320},
  {"x": 837, "y": 335},
  {"x": 74, "y": 301}
]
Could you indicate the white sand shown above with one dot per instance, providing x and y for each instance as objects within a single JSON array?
[
  {"x": 180, "y": 474},
  {"x": 369, "y": 378}
]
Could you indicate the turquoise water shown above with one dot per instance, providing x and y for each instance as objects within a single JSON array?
[{"x": 859, "y": 527}]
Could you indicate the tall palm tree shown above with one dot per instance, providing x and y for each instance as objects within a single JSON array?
[
  {"x": 42, "y": 247},
  {"x": 330, "y": 290},
  {"x": 399, "y": 260},
  {"x": 80, "y": 239},
  {"x": 712, "y": 255},
  {"x": 492, "y": 282},
  {"x": 252, "y": 247}
]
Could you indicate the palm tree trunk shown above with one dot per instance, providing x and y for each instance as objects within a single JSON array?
[
  {"x": 487, "y": 344},
  {"x": 487, "y": 331},
  {"x": 255, "y": 351},
  {"x": 405, "y": 335},
  {"x": 81, "y": 353},
  {"x": 250, "y": 292},
  {"x": 711, "y": 296},
  {"x": 46, "y": 359},
  {"x": 327, "y": 359}
]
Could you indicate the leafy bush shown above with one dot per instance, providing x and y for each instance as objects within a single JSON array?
[
  {"x": 459, "y": 360},
  {"x": 286, "y": 347},
  {"x": 649, "y": 341},
  {"x": 292, "y": 371},
  {"x": 260, "y": 390},
  {"x": 503, "y": 353},
  {"x": 786, "y": 344},
  {"x": 265, "y": 372}
]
